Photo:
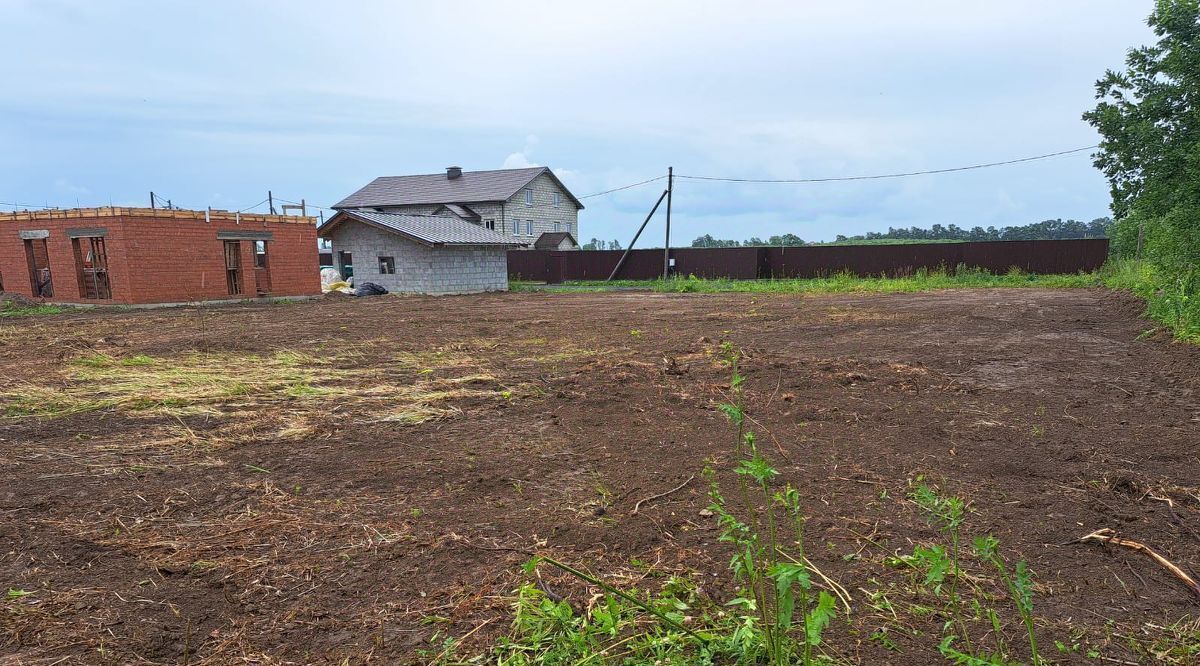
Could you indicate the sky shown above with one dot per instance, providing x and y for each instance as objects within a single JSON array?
[{"x": 214, "y": 102}]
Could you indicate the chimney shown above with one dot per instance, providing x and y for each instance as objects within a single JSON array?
[{"x": 453, "y": 173}]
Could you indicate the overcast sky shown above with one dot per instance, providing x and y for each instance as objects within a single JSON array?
[{"x": 212, "y": 103}]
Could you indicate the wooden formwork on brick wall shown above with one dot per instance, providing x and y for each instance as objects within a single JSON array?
[{"x": 162, "y": 256}]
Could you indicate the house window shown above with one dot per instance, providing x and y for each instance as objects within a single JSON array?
[
  {"x": 557, "y": 227},
  {"x": 529, "y": 196},
  {"x": 556, "y": 199},
  {"x": 387, "y": 265},
  {"x": 490, "y": 224},
  {"x": 529, "y": 227}
]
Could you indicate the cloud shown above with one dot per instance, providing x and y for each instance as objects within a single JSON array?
[
  {"x": 521, "y": 159},
  {"x": 617, "y": 92}
]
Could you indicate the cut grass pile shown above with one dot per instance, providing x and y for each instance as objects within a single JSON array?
[{"x": 409, "y": 388}]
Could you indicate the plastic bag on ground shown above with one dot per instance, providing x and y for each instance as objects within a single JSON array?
[
  {"x": 329, "y": 278},
  {"x": 369, "y": 289}
]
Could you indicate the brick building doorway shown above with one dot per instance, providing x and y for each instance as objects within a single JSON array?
[
  {"x": 38, "y": 257},
  {"x": 233, "y": 267},
  {"x": 91, "y": 268}
]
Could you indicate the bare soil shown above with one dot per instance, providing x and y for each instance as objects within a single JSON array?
[{"x": 305, "y": 529}]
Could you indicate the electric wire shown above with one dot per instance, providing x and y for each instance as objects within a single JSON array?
[{"x": 887, "y": 175}]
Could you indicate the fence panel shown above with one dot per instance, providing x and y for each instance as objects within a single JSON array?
[
  {"x": 739, "y": 263},
  {"x": 744, "y": 263}
]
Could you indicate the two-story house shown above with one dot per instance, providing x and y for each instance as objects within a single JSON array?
[{"x": 520, "y": 203}]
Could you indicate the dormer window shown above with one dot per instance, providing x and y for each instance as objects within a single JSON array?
[{"x": 529, "y": 196}]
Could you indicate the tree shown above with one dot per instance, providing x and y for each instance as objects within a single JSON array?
[
  {"x": 1149, "y": 119},
  {"x": 786, "y": 240},
  {"x": 594, "y": 244},
  {"x": 614, "y": 245}
]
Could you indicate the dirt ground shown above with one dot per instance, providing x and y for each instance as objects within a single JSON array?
[{"x": 373, "y": 494}]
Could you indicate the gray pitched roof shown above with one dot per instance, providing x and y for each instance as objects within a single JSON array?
[
  {"x": 460, "y": 211},
  {"x": 471, "y": 187},
  {"x": 552, "y": 239},
  {"x": 426, "y": 229}
]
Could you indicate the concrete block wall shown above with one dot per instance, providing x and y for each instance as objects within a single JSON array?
[
  {"x": 543, "y": 212},
  {"x": 511, "y": 216},
  {"x": 420, "y": 269}
]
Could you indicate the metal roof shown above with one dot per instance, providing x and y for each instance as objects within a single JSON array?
[
  {"x": 426, "y": 229},
  {"x": 470, "y": 187},
  {"x": 552, "y": 239}
]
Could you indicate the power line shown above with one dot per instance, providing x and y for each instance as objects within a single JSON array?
[
  {"x": 252, "y": 207},
  {"x": 624, "y": 187},
  {"x": 887, "y": 175}
]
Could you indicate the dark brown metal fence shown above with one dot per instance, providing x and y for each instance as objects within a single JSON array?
[{"x": 1039, "y": 256}]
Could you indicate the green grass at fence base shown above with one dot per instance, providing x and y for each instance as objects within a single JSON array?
[
  {"x": 1171, "y": 302},
  {"x": 841, "y": 283}
]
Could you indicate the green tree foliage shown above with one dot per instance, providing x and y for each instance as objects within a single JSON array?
[
  {"x": 1045, "y": 230},
  {"x": 1150, "y": 123}
]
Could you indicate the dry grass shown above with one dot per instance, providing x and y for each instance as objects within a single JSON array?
[{"x": 410, "y": 387}]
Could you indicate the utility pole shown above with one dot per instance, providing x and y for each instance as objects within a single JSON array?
[
  {"x": 1141, "y": 233},
  {"x": 667, "y": 244},
  {"x": 271, "y": 201},
  {"x": 151, "y": 201}
]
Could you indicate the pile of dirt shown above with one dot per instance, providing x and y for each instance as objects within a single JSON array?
[{"x": 9, "y": 299}]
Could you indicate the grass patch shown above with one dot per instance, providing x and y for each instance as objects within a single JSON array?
[
  {"x": 411, "y": 387},
  {"x": 7, "y": 309},
  {"x": 921, "y": 280},
  {"x": 1173, "y": 302}
]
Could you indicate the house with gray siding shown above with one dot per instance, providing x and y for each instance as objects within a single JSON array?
[
  {"x": 424, "y": 254},
  {"x": 521, "y": 204}
]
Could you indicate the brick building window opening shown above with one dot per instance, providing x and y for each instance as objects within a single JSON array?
[
  {"x": 233, "y": 267},
  {"x": 556, "y": 199},
  {"x": 490, "y": 224},
  {"x": 38, "y": 258},
  {"x": 529, "y": 228},
  {"x": 387, "y": 265},
  {"x": 528, "y": 197},
  {"x": 260, "y": 254},
  {"x": 91, "y": 268},
  {"x": 557, "y": 227}
]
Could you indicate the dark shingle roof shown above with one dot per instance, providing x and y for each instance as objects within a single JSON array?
[
  {"x": 551, "y": 240},
  {"x": 426, "y": 229},
  {"x": 471, "y": 187}
]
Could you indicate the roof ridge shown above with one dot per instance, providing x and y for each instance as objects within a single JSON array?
[{"x": 443, "y": 173}]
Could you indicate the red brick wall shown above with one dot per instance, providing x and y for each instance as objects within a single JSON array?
[{"x": 161, "y": 259}]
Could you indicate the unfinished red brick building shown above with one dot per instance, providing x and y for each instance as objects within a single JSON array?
[{"x": 135, "y": 256}]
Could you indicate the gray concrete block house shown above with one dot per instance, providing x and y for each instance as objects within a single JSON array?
[{"x": 448, "y": 233}]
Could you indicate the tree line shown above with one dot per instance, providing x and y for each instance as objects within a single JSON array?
[{"x": 1044, "y": 230}]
